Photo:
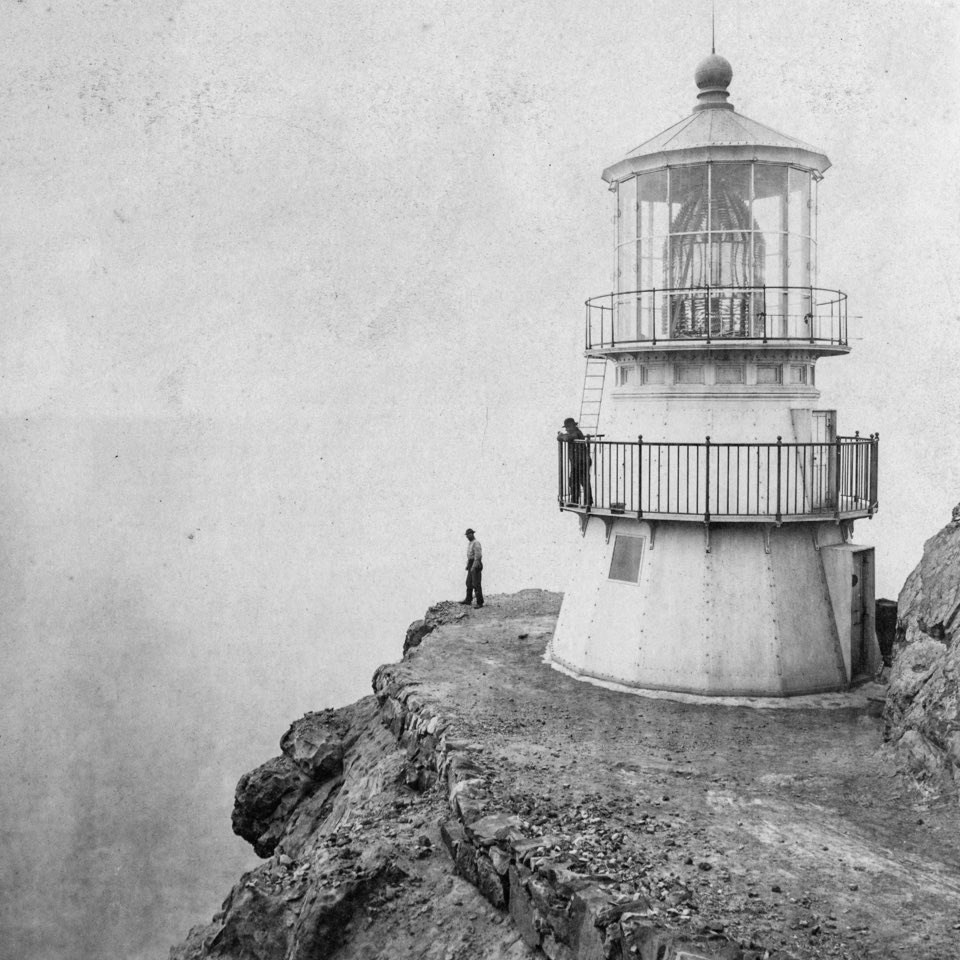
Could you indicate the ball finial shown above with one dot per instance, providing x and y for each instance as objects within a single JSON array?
[
  {"x": 713, "y": 76},
  {"x": 713, "y": 71}
]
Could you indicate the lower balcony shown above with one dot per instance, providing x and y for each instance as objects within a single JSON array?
[{"x": 724, "y": 482}]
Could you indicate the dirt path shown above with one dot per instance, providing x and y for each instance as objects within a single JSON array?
[{"x": 781, "y": 825}]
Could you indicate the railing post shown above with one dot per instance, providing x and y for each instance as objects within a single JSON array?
[
  {"x": 836, "y": 480},
  {"x": 588, "y": 484},
  {"x": 779, "y": 457},
  {"x": 857, "y": 483},
  {"x": 586, "y": 331},
  {"x": 640, "y": 477},
  {"x": 560, "y": 497},
  {"x": 874, "y": 464},
  {"x": 706, "y": 511}
]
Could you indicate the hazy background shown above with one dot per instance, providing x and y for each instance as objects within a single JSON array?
[{"x": 292, "y": 293}]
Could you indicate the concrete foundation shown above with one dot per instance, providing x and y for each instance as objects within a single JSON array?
[{"x": 735, "y": 609}]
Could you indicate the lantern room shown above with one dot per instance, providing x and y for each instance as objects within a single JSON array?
[{"x": 716, "y": 233}]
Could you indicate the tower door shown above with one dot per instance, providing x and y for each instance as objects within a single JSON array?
[
  {"x": 824, "y": 426},
  {"x": 859, "y": 658},
  {"x": 824, "y": 480}
]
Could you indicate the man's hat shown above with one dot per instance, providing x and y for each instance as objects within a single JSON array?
[
  {"x": 569, "y": 422},
  {"x": 468, "y": 530}
]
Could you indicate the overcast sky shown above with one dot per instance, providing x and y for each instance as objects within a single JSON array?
[{"x": 380, "y": 214}]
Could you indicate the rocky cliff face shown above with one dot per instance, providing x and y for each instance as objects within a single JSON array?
[
  {"x": 922, "y": 713},
  {"x": 483, "y": 805},
  {"x": 352, "y": 866}
]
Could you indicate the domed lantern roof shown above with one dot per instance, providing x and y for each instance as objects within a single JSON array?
[{"x": 715, "y": 131}]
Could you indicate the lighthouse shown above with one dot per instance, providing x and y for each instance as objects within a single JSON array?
[{"x": 716, "y": 500}]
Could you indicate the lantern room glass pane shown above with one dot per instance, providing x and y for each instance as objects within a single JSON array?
[
  {"x": 627, "y": 210},
  {"x": 814, "y": 211},
  {"x": 730, "y": 196},
  {"x": 627, "y": 267},
  {"x": 799, "y": 213},
  {"x": 688, "y": 262},
  {"x": 798, "y": 256},
  {"x": 625, "y": 307},
  {"x": 731, "y": 225},
  {"x": 770, "y": 217},
  {"x": 652, "y": 197},
  {"x": 688, "y": 198},
  {"x": 771, "y": 267},
  {"x": 653, "y": 214},
  {"x": 798, "y": 228}
]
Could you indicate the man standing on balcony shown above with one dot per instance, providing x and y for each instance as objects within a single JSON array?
[
  {"x": 578, "y": 461},
  {"x": 474, "y": 569}
]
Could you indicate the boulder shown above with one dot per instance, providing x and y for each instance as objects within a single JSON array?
[
  {"x": 315, "y": 744},
  {"x": 494, "y": 827},
  {"x": 263, "y": 801},
  {"x": 437, "y": 615},
  {"x": 415, "y": 634}
]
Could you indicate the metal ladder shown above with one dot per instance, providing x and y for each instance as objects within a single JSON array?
[{"x": 592, "y": 396}]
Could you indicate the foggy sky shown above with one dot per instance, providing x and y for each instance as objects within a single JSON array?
[{"x": 292, "y": 294}]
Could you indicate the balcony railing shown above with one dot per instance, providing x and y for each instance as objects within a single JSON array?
[
  {"x": 776, "y": 482},
  {"x": 684, "y": 314}
]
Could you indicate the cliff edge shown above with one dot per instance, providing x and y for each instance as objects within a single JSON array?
[{"x": 482, "y": 804}]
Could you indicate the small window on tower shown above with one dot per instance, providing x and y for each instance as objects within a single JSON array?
[
  {"x": 624, "y": 372},
  {"x": 798, "y": 374},
  {"x": 627, "y": 556},
  {"x": 769, "y": 373},
  {"x": 813, "y": 375}
]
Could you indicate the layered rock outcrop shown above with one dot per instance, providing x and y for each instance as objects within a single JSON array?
[{"x": 922, "y": 713}]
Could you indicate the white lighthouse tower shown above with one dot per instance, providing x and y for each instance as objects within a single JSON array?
[{"x": 716, "y": 507}]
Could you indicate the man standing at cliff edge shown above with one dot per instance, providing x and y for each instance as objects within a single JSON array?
[{"x": 474, "y": 570}]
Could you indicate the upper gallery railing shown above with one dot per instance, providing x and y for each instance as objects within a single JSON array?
[
  {"x": 759, "y": 314},
  {"x": 708, "y": 481}
]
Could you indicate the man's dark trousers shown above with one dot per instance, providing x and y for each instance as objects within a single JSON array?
[{"x": 474, "y": 583}]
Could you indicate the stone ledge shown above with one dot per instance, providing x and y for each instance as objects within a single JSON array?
[{"x": 564, "y": 914}]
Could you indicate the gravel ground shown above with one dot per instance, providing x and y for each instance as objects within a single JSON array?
[{"x": 782, "y": 823}]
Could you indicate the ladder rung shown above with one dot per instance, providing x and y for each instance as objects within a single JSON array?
[{"x": 591, "y": 399}]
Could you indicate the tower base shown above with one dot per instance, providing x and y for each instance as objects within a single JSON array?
[{"x": 735, "y": 609}]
